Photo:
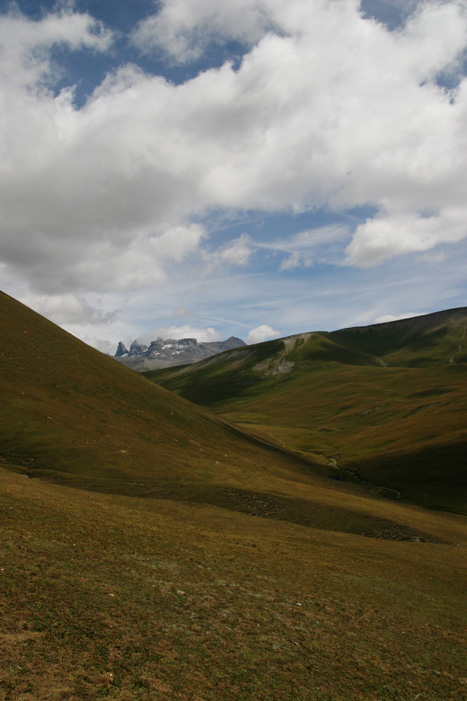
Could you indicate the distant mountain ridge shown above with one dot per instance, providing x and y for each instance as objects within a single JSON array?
[
  {"x": 428, "y": 339},
  {"x": 169, "y": 352}
]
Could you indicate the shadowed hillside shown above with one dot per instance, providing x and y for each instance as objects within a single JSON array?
[
  {"x": 382, "y": 404},
  {"x": 431, "y": 339}
]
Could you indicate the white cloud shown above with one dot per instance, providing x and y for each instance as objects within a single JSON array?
[
  {"x": 293, "y": 261},
  {"x": 394, "y": 234},
  {"x": 262, "y": 333},
  {"x": 26, "y": 44},
  {"x": 237, "y": 252},
  {"x": 102, "y": 344},
  {"x": 202, "y": 335},
  {"x": 69, "y": 310},
  {"x": 184, "y": 28}
]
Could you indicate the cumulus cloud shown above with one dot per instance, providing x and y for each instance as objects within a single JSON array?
[
  {"x": 375, "y": 128},
  {"x": 386, "y": 236},
  {"x": 327, "y": 109},
  {"x": 262, "y": 333},
  {"x": 26, "y": 45}
]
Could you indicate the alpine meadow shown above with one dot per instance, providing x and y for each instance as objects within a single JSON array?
[{"x": 154, "y": 550}]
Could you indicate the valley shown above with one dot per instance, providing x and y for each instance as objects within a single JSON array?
[{"x": 384, "y": 403}]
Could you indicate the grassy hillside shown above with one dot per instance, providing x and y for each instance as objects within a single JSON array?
[
  {"x": 72, "y": 415},
  {"x": 71, "y": 411},
  {"x": 384, "y": 404},
  {"x": 196, "y": 562},
  {"x": 432, "y": 339},
  {"x": 104, "y": 596}
]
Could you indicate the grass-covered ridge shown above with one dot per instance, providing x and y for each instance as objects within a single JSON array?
[{"x": 383, "y": 404}]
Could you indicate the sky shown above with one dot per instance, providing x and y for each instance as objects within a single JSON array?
[{"x": 255, "y": 168}]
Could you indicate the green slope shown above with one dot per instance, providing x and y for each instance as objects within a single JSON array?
[
  {"x": 432, "y": 339},
  {"x": 383, "y": 404}
]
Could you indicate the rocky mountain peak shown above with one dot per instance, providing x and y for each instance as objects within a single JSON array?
[
  {"x": 137, "y": 348},
  {"x": 166, "y": 352},
  {"x": 121, "y": 350}
]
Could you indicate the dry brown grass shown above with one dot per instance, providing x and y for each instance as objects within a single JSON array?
[
  {"x": 241, "y": 574},
  {"x": 116, "y": 597}
]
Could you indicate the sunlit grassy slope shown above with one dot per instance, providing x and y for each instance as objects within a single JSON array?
[
  {"x": 194, "y": 562},
  {"x": 385, "y": 404},
  {"x": 106, "y": 596}
]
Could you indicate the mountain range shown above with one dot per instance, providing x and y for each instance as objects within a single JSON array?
[{"x": 163, "y": 353}]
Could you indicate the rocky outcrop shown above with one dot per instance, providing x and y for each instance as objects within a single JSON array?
[
  {"x": 137, "y": 349},
  {"x": 121, "y": 350}
]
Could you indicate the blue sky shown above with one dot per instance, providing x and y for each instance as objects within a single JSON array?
[{"x": 252, "y": 167}]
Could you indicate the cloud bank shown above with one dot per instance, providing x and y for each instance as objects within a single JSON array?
[
  {"x": 326, "y": 108},
  {"x": 202, "y": 335}
]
